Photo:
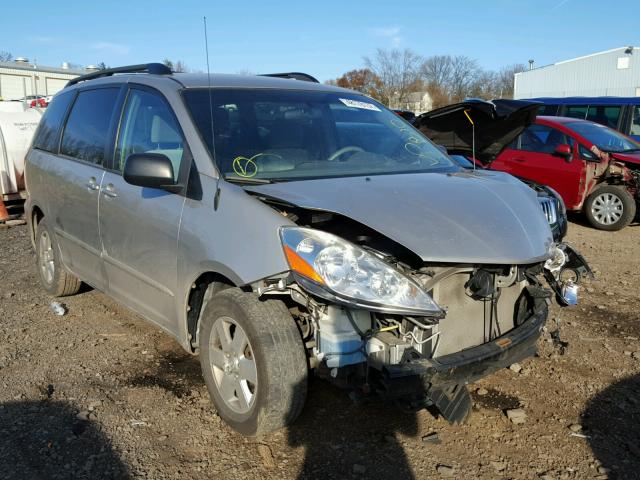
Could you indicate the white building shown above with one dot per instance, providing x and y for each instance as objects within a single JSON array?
[
  {"x": 416, "y": 102},
  {"x": 613, "y": 72},
  {"x": 20, "y": 78}
]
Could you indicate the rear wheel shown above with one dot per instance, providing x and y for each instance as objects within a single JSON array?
[
  {"x": 610, "y": 208},
  {"x": 53, "y": 276},
  {"x": 253, "y": 361}
]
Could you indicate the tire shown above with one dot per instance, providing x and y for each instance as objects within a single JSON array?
[
  {"x": 274, "y": 345},
  {"x": 610, "y": 208},
  {"x": 55, "y": 279}
]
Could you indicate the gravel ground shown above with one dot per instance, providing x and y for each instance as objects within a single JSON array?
[{"x": 98, "y": 393}]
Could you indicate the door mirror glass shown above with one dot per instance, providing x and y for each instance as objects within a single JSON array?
[
  {"x": 564, "y": 151},
  {"x": 151, "y": 170}
]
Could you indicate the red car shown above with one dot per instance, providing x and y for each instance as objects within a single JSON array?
[{"x": 594, "y": 168}]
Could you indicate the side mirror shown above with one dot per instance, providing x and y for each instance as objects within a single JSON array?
[
  {"x": 564, "y": 151},
  {"x": 152, "y": 170}
]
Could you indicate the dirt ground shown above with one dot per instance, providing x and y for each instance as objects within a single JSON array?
[{"x": 98, "y": 393}]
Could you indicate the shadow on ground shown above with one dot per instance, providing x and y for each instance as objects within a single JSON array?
[
  {"x": 611, "y": 421},
  {"x": 47, "y": 440},
  {"x": 345, "y": 440}
]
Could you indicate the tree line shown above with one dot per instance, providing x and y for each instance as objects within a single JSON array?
[{"x": 390, "y": 75}]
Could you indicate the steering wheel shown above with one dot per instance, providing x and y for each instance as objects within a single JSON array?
[{"x": 338, "y": 153}]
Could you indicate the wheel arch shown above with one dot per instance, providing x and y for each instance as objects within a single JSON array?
[{"x": 202, "y": 288}]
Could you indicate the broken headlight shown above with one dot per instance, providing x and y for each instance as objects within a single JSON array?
[{"x": 337, "y": 270}]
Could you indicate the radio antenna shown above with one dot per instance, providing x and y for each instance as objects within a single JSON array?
[{"x": 216, "y": 199}]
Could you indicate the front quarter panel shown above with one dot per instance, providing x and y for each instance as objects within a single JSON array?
[{"x": 240, "y": 239}]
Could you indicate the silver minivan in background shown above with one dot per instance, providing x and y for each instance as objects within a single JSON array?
[{"x": 279, "y": 227}]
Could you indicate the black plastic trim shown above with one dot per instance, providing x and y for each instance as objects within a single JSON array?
[
  {"x": 305, "y": 77},
  {"x": 152, "y": 68}
]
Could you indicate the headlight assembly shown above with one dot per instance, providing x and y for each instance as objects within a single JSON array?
[{"x": 337, "y": 270}]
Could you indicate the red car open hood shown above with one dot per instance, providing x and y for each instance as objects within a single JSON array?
[{"x": 497, "y": 123}]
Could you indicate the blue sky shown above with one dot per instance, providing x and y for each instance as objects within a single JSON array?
[{"x": 324, "y": 38}]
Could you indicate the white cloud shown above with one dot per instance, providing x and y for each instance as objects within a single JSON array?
[
  {"x": 390, "y": 33},
  {"x": 109, "y": 47}
]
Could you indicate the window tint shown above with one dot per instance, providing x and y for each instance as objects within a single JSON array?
[
  {"x": 576, "y": 111},
  {"x": 543, "y": 139},
  {"x": 607, "y": 116},
  {"x": 635, "y": 121},
  {"x": 149, "y": 127},
  {"x": 48, "y": 133},
  {"x": 551, "y": 110},
  {"x": 87, "y": 129}
]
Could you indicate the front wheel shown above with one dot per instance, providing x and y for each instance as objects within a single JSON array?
[
  {"x": 253, "y": 362},
  {"x": 610, "y": 208}
]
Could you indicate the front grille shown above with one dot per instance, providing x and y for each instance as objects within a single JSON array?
[{"x": 549, "y": 209}]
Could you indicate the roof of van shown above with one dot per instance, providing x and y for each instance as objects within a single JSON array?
[{"x": 587, "y": 100}]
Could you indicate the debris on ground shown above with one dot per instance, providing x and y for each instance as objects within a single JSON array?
[
  {"x": 516, "y": 415},
  {"x": 58, "y": 308}
]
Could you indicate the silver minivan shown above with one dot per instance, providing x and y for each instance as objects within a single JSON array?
[{"x": 279, "y": 228}]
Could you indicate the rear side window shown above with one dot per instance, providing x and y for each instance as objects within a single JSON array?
[
  {"x": 604, "y": 115},
  {"x": 48, "y": 134},
  {"x": 576, "y": 111},
  {"x": 548, "y": 110},
  {"x": 635, "y": 121},
  {"x": 85, "y": 135}
]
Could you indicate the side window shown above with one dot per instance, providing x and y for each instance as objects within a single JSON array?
[
  {"x": 635, "y": 121},
  {"x": 550, "y": 110},
  {"x": 48, "y": 135},
  {"x": 576, "y": 111},
  {"x": 85, "y": 135},
  {"x": 148, "y": 126},
  {"x": 604, "y": 115},
  {"x": 543, "y": 139}
]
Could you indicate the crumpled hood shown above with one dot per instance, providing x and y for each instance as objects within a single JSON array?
[
  {"x": 463, "y": 217},
  {"x": 627, "y": 157}
]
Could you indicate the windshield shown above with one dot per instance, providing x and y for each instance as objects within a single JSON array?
[
  {"x": 292, "y": 134},
  {"x": 603, "y": 137}
]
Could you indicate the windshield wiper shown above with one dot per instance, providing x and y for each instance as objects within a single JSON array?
[{"x": 247, "y": 180}]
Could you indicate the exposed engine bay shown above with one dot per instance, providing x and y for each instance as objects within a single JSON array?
[{"x": 422, "y": 360}]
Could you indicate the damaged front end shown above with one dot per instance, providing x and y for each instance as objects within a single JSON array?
[{"x": 377, "y": 319}]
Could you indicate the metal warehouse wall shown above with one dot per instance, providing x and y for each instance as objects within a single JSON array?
[
  {"x": 591, "y": 76},
  {"x": 17, "y": 81}
]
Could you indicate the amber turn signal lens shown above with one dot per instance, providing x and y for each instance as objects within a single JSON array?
[{"x": 299, "y": 265}]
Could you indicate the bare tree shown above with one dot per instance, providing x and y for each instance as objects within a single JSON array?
[
  {"x": 506, "y": 77},
  {"x": 397, "y": 71},
  {"x": 5, "y": 56},
  {"x": 177, "y": 66},
  {"x": 436, "y": 71},
  {"x": 464, "y": 74}
]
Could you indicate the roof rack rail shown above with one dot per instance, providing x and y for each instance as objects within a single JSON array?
[
  {"x": 155, "y": 68},
  {"x": 305, "y": 77}
]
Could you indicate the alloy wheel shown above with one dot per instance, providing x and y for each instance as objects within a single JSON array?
[
  {"x": 47, "y": 265},
  {"x": 233, "y": 365}
]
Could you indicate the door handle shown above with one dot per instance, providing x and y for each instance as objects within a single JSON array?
[
  {"x": 110, "y": 191},
  {"x": 520, "y": 159},
  {"x": 92, "y": 184}
]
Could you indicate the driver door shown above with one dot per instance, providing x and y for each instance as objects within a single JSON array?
[
  {"x": 139, "y": 226},
  {"x": 532, "y": 156}
]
